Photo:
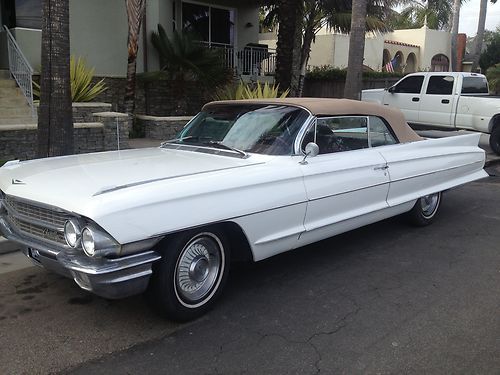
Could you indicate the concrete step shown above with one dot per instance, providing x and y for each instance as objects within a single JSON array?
[
  {"x": 10, "y": 91},
  {"x": 7, "y": 83},
  {"x": 5, "y": 74},
  {"x": 24, "y": 120},
  {"x": 13, "y": 101},
  {"x": 19, "y": 111}
]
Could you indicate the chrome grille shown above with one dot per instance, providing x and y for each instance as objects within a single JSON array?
[
  {"x": 43, "y": 215},
  {"x": 36, "y": 222}
]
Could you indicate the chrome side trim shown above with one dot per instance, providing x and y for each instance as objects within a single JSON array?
[{"x": 125, "y": 186}]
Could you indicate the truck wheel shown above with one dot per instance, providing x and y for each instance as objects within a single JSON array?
[
  {"x": 495, "y": 139},
  {"x": 191, "y": 274},
  {"x": 425, "y": 210}
]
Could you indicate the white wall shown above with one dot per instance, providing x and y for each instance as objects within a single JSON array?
[{"x": 98, "y": 32}]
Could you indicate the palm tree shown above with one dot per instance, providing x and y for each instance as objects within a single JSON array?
[
  {"x": 289, "y": 42},
  {"x": 336, "y": 15},
  {"x": 352, "y": 89},
  {"x": 434, "y": 13},
  {"x": 454, "y": 34},
  {"x": 478, "y": 40},
  {"x": 135, "y": 14},
  {"x": 55, "y": 121}
]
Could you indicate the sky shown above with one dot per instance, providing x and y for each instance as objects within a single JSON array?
[{"x": 469, "y": 14}]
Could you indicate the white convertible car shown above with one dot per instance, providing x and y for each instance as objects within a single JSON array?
[{"x": 244, "y": 180}]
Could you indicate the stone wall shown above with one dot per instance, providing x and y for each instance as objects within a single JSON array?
[
  {"x": 115, "y": 126},
  {"x": 84, "y": 112},
  {"x": 161, "y": 128},
  {"x": 156, "y": 97},
  {"x": 20, "y": 141}
]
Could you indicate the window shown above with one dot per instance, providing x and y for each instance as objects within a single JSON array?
[
  {"x": 380, "y": 134},
  {"x": 410, "y": 85},
  {"x": 346, "y": 133},
  {"x": 258, "y": 128},
  {"x": 475, "y": 85},
  {"x": 208, "y": 24},
  {"x": 334, "y": 134},
  {"x": 440, "y": 85}
]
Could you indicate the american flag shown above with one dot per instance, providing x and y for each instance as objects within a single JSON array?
[{"x": 389, "y": 67}]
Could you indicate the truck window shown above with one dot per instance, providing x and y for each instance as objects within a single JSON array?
[
  {"x": 440, "y": 85},
  {"x": 410, "y": 85},
  {"x": 475, "y": 85}
]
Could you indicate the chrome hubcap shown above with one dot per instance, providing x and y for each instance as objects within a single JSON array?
[
  {"x": 198, "y": 268},
  {"x": 429, "y": 204}
]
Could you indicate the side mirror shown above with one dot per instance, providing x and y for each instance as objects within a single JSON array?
[
  {"x": 392, "y": 89},
  {"x": 311, "y": 150}
]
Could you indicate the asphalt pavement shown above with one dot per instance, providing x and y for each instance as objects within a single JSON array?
[{"x": 387, "y": 298}]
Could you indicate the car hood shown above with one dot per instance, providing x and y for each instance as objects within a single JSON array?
[{"x": 70, "y": 180}]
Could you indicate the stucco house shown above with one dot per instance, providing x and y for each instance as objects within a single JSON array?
[
  {"x": 408, "y": 50},
  {"x": 98, "y": 31}
]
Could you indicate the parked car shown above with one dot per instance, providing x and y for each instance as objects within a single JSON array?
[
  {"x": 244, "y": 180},
  {"x": 444, "y": 100}
]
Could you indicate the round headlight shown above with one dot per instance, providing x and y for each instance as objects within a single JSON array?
[
  {"x": 88, "y": 242},
  {"x": 72, "y": 233}
]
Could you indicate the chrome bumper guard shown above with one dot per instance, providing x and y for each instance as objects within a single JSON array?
[{"x": 108, "y": 278}]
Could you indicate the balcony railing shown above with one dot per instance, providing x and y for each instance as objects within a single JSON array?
[{"x": 255, "y": 61}]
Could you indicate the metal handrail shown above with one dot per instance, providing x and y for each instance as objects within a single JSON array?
[{"x": 20, "y": 69}]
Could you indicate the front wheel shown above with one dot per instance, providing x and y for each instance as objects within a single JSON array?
[
  {"x": 495, "y": 139},
  {"x": 191, "y": 274},
  {"x": 425, "y": 210}
]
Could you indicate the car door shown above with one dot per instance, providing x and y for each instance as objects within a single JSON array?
[
  {"x": 405, "y": 95},
  {"x": 436, "y": 105},
  {"x": 346, "y": 181}
]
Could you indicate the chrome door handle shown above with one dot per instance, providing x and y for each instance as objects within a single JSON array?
[{"x": 382, "y": 168}]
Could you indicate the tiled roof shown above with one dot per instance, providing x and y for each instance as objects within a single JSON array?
[{"x": 400, "y": 43}]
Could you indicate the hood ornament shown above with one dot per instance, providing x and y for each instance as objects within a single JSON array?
[{"x": 15, "y": 181}]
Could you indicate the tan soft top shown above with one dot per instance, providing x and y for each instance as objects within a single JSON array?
[{"x": 336, "y": 107}]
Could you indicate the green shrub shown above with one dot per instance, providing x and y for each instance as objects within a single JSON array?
[
  {"x": 493, "y": 75},
  {"x": 82, "y": 88},
  {"x": 182, "y": 58},
  {"x": 327, "y": 72},
  {"x": 250, "y": 91}
]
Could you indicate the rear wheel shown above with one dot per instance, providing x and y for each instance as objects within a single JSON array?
[
  {"x": 191, "y": 274},
  {"x": 425, "y": 210},
  {"x": 495, "y": 139}
]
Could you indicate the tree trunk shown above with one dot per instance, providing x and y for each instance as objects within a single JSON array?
[
  {"x": 354, "y": 78},
  {"x": 478, "y": 40},
  {"x": 135, "y": 14},
  {"x": 289, "y": 44},
  {"x": 55, "y": 121},
  {"x": 455, "y": 65},
  {"x": 309, "y": 34}
]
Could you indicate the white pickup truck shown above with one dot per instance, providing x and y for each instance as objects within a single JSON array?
[{"x": 453, "y": 100}]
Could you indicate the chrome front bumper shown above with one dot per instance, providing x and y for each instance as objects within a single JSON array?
[{"x": 108, "y": 278}]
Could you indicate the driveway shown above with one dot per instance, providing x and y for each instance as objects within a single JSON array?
[{"x": 387, "y": 298}]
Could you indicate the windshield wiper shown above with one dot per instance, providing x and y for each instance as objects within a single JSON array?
[
  {"x": 222, "y": 145},
  {"x": 189, "y": 137}
]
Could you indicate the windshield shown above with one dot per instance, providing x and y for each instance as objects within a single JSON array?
[{"x": 257, "y": 128}]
